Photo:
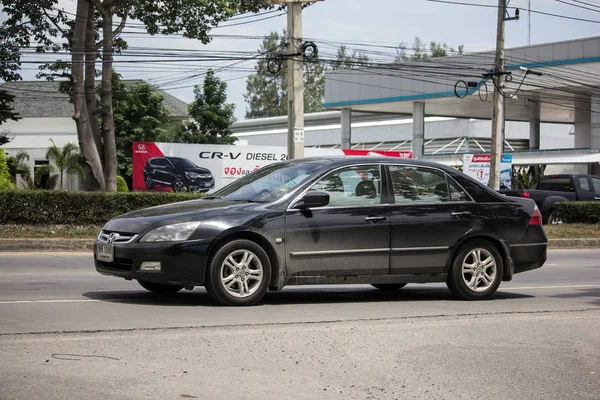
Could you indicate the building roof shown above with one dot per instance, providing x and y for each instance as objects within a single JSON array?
[
  {"x": 42, "y": 99},
  {"x": 563, "y": 76}
]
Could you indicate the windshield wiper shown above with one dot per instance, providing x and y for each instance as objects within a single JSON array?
[{"x": 212, "y": 198}]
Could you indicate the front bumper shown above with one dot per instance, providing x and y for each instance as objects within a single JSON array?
[
  {"x": 201, "y": 184},
  {"x": 181, "y": 263}
]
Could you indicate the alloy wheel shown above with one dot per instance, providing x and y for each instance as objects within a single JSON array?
[
  {"x": 241, "y": 273},
  {"x": 479, "y": 270}
]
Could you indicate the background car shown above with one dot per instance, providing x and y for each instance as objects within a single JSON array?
[
  {"x": 325, "y": 221},
  {"x": 180, "y": 174}
]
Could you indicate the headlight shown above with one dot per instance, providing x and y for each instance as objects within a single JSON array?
[
  {"x": 192, "y": 175},
  {"x": 171, "y": 233}
]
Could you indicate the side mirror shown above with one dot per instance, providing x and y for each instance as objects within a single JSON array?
[{"x": 314, "y": 200}]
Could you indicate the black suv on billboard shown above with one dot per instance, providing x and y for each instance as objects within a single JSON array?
[{"x": 179, "y": 174}]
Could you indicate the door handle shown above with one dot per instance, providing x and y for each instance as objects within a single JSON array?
[
  {"x": 461, "y": 213},
  {"x": 375, "y": 220}
]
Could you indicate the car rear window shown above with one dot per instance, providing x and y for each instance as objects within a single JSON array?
[{"x": 556, "y": 184}]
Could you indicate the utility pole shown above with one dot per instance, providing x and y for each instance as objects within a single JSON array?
[
  {"x": 295, "y": 55},
  {"x": 498, "y": 106},
  {"x": 529, "y": 23},
  {"x": 295, "y": 80}
]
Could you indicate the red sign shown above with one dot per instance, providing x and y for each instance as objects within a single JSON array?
[{"x": 397, "y": 154}]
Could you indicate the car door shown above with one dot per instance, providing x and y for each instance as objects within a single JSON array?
[
  {"x": 585, "y": 189},
  {"x": 596, "y": 185},
  {"x": 350, "y": 236},
  {"x": 163, "y": 171},
  {"x": 430, "y": 214}
]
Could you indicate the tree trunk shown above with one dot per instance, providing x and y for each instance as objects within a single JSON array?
[
  {"x": 87, "y": 144},
  {"x": 90, "y": 78},
  {"x": 108, "y": 125}
]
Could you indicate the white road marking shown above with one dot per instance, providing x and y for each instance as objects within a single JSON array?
[
  {"x": 548, "y": 287},
  {"x": 97, "y": 300},
  {"x": 48, "y": 301}
]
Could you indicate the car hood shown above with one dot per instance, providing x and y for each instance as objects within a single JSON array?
[
  {"x": 193, "y": 210},
  {"x": 198, "y": 170}
]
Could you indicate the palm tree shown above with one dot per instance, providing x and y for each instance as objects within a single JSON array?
[
  {"x": 20, "y": 168},
  {"x": 66, "y": 160}
]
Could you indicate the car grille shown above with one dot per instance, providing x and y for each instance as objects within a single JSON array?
[
  {"x": 112, "y": 237},
  {"x": 119, "y": 264}
]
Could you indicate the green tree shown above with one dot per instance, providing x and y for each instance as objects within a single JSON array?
[
  {"x": 139, "y": 116},
  {"x": 212, "y": 115},
  {"x": 344, "y": 60},
  {"x": 6, "y": 182},
  {"x": 67, "y": 160},
  {"x": 419, "y": 51},
  {"x": 266, "y": 93},
  {"x": 18, "y": 167},
  {"x": 48, "y": 24}
]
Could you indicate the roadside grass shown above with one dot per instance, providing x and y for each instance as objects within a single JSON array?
[
  {"x": 22, "y": 231},
  {"x": 573, "y": 231},
  {"x": 26, "y": 231}
]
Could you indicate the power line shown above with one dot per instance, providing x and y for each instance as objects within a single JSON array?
[{"x": 533, "y": 11}]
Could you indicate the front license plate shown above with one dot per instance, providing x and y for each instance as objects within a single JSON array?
[{"x": 105, "y": 252}]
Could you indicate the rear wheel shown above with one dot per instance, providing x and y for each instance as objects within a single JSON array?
[
  {"x": 160, "y": 288},
  {"x": 555, "y": 219},
  {"x": 388, "y": 286},
  {"x": 476, "y": 271},
  {"x": 238, "y": 274}
]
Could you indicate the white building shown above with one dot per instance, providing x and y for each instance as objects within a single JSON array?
[{"x": 46, "y": 114}]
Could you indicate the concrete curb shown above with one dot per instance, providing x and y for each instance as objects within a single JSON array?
[
  {"x": 35, "y": 245},
  {"x": 38, "y": 245}
]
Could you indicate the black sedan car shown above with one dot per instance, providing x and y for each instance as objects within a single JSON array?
[
  {"x": 180, "y": 174},
  {"x": 343, "y": 220}
]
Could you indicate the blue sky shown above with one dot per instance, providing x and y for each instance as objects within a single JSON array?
[{"x": 379, "y": 22}]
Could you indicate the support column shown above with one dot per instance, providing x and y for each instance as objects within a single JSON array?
[
  {"x": 534, "y": 126},
  {"x": 595, "y": 122},
  {"x": 583, "y": 124},
  {"x": 346, "y": 128},
  {"x": 418, "y": 142},
  {"x": 595, "y": 130}
]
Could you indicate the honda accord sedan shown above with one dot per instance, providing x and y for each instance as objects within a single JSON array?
[{"x": 346, "y": 220}]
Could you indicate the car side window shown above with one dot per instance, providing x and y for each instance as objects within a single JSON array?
[
  {"x": 160, "y": 162},
  {"x": 584, "y": 184},
  {"x": 352, "y": 186},
  {"x": 596, "y": 183},
  {"x": 556, "y": 184},
  {"x": 421, "y": 185},
  {"x": 456, "y": 192}
]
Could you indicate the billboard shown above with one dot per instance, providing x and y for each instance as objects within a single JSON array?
[
  {"x": 477, "y": 166},
  {"x": 203, "y": 167}
]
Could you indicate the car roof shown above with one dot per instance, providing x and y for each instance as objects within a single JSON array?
[{"x": 344, "y": 160}]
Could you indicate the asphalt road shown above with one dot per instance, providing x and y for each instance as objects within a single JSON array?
[{"x": 68, "y": 333}]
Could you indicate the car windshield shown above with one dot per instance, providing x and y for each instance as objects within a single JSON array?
[
  {"x": 182, "y": 163},
  {"x": 269, "y": 183}
]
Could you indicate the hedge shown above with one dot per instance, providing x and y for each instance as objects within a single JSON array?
[
  {"x": 586, "y": 212},
  {"x": 77, "y": 208}
]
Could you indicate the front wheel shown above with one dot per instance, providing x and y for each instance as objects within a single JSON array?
[
  {"x": 388, "y": 286},
  {"x": 160, "y": 288},
  {"x": 476, "y": 271},
  {"x": 238, "y": 274}
]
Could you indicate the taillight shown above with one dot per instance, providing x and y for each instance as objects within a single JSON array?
[
  {"x": 536, "y": 217},
  {"x": 526, "y": 195}
]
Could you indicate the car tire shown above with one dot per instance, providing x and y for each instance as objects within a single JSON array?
[
  {"x": 149, "y": 183},
  {"x": 555, "y": 219},
  {"x": 388, "y": 286},
  {"x": 178, "y": 185},
  {"x": 238, "y": 274},
  {"x": 160, "y": 288},
  {"x": 476, "y": 271}
]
